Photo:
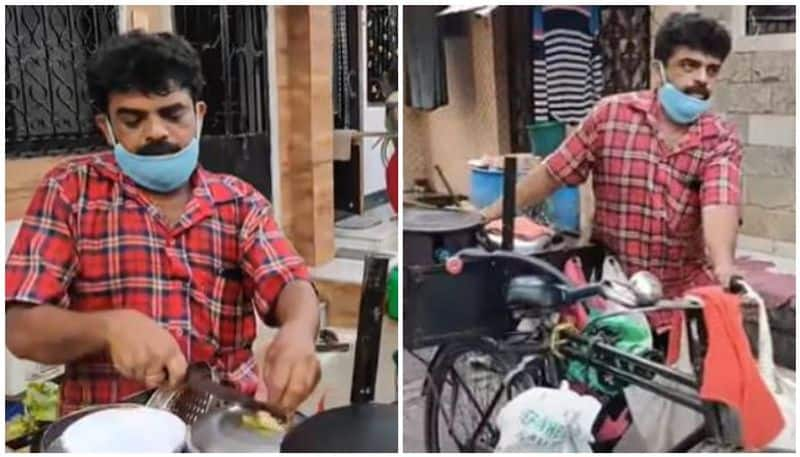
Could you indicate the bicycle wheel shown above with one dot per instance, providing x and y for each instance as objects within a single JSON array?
[{"x": 464, "y": 381}]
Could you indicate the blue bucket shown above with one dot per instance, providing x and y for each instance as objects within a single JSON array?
[
  {"x": 564, "y": 208},
  {"x": 486, "y": 186}
]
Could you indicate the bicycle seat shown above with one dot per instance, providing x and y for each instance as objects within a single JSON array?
[{"x": 535, "y": 292}]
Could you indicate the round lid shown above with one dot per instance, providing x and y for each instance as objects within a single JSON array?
[
  {"x": 369, "y": 427},
  {"x": 438, "y": 221},
  {"x": 222, "y": 431}
]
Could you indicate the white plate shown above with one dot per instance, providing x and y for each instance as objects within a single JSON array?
[{"x": 127, "y": 430}]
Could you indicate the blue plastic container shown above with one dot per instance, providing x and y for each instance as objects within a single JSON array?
[
  {"x": 564, "y": 208},
  {"x": 486, "y": 186},
  {"x": 14, "y": 409}
]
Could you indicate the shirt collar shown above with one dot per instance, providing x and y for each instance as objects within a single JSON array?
[{"x": 647, "y": 102}]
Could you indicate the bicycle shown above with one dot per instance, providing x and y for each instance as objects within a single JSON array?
[{"x": 491, "y": 370}]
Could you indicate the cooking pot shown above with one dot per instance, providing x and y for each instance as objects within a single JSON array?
[{"x": 430, "y": 235}]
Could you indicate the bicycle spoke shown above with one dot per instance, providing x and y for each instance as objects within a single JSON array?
[
  {"x": 471, "y": 397},
  {"x": 449, "y": 424}
]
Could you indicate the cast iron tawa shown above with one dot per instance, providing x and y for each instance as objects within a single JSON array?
[{"x": 368, "y": 427}]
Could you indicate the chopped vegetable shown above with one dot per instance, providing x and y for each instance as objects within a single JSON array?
[
  {"x": 41, "y": 401},
  {"x": 263, "y": 423},
  {"x": 19, "y": 427},
  {"x": 41, "y": 405}
]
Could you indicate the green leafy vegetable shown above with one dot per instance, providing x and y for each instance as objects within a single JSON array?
[
  {"x": 41, "y": 401},
  {"x": 20, "y": 426}
]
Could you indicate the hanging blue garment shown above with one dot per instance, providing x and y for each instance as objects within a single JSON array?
[{"x": 567, "y": 63}]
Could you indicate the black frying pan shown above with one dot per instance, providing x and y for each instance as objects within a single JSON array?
[{"x": 366, "y": 427}]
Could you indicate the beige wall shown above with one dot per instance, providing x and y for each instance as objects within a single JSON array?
[
  {"x": 475, "y": 121},
  {"x": 757, "y": 92},
  {"x": 155, "y": 18}
]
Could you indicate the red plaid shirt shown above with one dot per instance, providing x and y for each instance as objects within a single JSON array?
[
  {"x": 92, "y": 241},
  {"x": 648, "y": 196}
]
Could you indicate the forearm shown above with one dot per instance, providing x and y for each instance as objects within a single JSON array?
[
  {"x": 720, "y": 226},
  {"x": 52, "y": 335},
  {"x": 534, "y": 187},
  {"x": 298, "y": 305}
]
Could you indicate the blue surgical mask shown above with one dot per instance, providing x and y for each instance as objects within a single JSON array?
[
  {"x": 162, "y": 173},
  {"x": 680, "y": 107}
]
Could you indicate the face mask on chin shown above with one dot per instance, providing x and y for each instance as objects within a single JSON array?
[
  {"x": 158, "y": 173},
  {"x": 680, "y": 107}
]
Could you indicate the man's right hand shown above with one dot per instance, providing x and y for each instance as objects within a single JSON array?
[{"x": 142, "y": 350}]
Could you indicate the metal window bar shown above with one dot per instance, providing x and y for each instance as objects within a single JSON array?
[
  {"x": 48, "y": 111},
  {"x": 763, "y": 20},
  {"x": 232, "y": 44},
  {"x": 381, "y": 48}
]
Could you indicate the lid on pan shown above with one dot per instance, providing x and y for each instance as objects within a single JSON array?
[{"x": 438, "y": 220}]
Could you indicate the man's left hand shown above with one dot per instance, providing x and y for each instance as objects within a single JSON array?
[
  {"x": 291, "y": 368},
  {"x": 724, "y": 273}
]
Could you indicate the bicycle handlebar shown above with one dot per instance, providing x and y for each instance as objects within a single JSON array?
[{"x": 571, "y": 293}]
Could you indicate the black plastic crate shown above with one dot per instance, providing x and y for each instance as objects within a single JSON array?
[{"x": 439, "y": 307}]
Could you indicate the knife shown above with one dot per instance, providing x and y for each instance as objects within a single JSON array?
[{"x": 197, "y": 381}]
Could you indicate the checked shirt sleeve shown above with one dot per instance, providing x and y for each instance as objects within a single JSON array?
[
  {"x": 722, "y": 173},
  {"x": 574, "y": 159},
  {"x": 43, "y": 259},
  {"x": 268, "y": 258}
]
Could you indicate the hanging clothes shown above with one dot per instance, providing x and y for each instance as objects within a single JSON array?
[
  {"x": 341, "y": 69},
  {"x": 567, "y": 63},
  {"x": 624, "y": 41},
  {"x": 424, "y": 62}
]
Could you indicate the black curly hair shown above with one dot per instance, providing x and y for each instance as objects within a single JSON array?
[
  {"x": 694, "y": 31},
  {"x": 153, "y": 63}
]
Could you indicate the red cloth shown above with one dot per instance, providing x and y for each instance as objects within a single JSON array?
[
  {"x": 391, "y": 182},
  {"x": 649, "y": 197},
  {"x": 91, "y": 241},
  {"x": 730, "y": 374}
]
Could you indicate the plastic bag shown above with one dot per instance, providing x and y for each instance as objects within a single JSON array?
[
  {"x": 543, "y": 419},
  {"x": 658, "y": 424},
  {"x": 781, "y": 385}
]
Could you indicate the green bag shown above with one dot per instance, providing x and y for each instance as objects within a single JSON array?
[{"x": 628, "y": 333}]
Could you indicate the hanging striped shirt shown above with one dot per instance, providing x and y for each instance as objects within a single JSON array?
[{"x": 567, "y": 63}]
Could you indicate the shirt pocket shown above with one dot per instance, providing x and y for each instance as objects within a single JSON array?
[
  {"x": 683, "y": 204},
  {"x": 220, "y": 288}
]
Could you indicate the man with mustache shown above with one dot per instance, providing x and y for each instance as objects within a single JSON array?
[
  {"x": 666, "y": 171},
  {"x": 131, "y": 264}
]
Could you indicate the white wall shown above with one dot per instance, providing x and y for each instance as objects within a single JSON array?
[{"x": 372, "y": 120}]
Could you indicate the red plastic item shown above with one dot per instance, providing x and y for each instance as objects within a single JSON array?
[
  {"x": 454, "y": 265},
  {"x": 391, "y": 181}
]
